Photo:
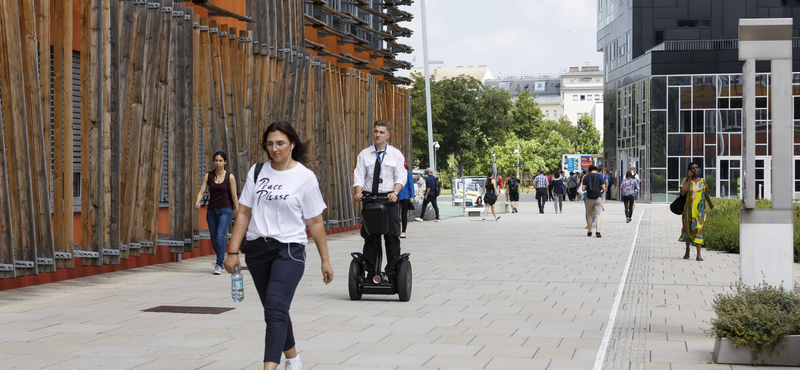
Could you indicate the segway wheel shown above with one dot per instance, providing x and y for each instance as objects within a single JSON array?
[
  {"x": 355, "y": 280},
  {"x": 404, "y": 280}
]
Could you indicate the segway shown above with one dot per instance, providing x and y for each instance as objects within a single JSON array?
[{"x": 377, "y": 220}]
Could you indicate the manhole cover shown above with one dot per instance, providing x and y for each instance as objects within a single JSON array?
[{"x": 189, "y": 309}]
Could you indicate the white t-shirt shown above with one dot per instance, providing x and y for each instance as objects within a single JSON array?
[{"x": 281, "y": 202}]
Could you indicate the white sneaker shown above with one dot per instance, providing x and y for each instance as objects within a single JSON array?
[
  {"x": 484, "y": 219},
  {"x": 418, "y": 219},
  {"x": 603, "y": 207},
  {"x": 217, "y": 269},
  {"x": 293, "y": 363}
]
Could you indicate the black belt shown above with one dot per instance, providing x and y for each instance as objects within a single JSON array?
[{"x": 269, "y": 240}]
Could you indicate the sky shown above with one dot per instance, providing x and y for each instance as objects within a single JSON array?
[{"x": 511, "y": 37}]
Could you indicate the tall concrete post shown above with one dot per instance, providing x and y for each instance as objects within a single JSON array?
[{"x": 765, "y": 235}]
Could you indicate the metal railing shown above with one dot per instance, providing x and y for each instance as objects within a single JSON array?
[{"x": 685, "y": 45}]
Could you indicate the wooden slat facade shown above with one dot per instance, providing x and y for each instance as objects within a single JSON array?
[{"x": 163, "y": 87}]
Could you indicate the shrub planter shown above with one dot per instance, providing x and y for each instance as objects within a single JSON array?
[{"x": 785, "y": 354}]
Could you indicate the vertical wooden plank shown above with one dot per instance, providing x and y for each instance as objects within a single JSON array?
[
  {"x": 219, "y": 92},
  {"x": 190, "y": 159},
  {"x": 255, "y": 103},
  {"x": 112, "y": 159},
  {"x": 175, "y": 134},
  {"x": 132, "y": 127},
  {"x": 43, "y": 37},
  {"x": 39, "y": 157},
  {"x": 9, "y": 234},
  {"x": 206, "y": 90},
  {"x": 242, "y": 71},
  {"x": 196, "y": 131},
  {"x": 158, "y": 20},
  {"x": 159, "y": 102},
  {"x": 127, "y": 32},
  {"x": 230, "y": 109},
  {"x": 63, "y": 220}
]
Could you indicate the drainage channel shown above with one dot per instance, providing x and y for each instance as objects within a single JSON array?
[{"x": 626, "y": 346}]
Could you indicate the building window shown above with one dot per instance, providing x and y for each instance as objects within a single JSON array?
[
  {"x": 555, "y": 114},
  {"x": 589, "y": 97},
  {"x": 596, "y": 96},
  {"x": 574, "y": 97},
  {"x": 547, "y": 114},
  {"x": 583, "y": 97}
]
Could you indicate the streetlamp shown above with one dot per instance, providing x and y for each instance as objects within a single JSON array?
[
  {"x": 517, "y": 151},
  {"x": 435, "y": 148},
  {"x": 427, "y": 83}
]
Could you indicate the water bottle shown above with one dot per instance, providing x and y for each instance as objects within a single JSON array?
[{"x": 237, "y": 285}]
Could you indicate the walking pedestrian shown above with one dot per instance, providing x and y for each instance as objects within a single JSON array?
[
  {"x": 604, "y": 193},
  {"x": 430, "y": 196},
  {"x": 276, "y": 205},
  {"x": 628, "y": 188},
  {"x": 513, "y": 191},
  {"x": 223, "y": 200},
  {"x": 406, "y": 197},
  {"x": 593, "y": 185},
  {"x": 490, "y": 195},
  {"x": 572, "y": 184},
  {"x": 559, "y": 189},
  {"x": 379, "y": 170},
  {"x": 541, "y": 183},
  {"x": 694, "y": 212}
]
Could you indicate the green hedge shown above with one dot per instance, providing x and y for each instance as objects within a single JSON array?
[{"x": 721, "y": 229}]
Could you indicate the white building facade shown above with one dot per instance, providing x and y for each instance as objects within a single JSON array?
[{"x": 582, "y": 93}]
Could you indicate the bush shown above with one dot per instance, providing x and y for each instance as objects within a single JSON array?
[
  {"x": 721, "y": 229},
  {"x": 760, "y": 316}
]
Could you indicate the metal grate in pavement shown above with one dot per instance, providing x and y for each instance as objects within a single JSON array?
[
  {"x": 626, "y": 348},
  {"x": 189, "y": 309}
]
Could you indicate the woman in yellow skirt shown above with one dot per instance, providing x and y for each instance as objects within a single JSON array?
[{"x": 694, "y": 212}]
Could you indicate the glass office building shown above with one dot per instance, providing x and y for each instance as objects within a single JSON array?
[{"x": 673, "y": 93}]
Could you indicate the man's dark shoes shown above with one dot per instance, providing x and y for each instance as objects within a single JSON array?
[
  {"x": 589, "y": 234},
  {"x": 598, "y": 234}
]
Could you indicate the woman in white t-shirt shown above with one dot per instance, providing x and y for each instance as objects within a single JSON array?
[{"x": 273, "y": 213}]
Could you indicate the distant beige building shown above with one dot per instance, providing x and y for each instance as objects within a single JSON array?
[{"x": 480, "y": 73}]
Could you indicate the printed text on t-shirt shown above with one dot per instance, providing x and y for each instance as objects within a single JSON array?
[{"x": 268, "y": 191}]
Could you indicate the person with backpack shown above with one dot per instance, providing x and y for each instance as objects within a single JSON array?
[
  {"x": 432, "y": 190},
  {"x": 513, "y": 192},
  {"x": 279, "y": 199},
  {"x": 222, "y": 200},
  {"x": 628, "y": 188},
  {"x": 593, "y": 184}
]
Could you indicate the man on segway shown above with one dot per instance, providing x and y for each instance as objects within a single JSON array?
[{"x": 380, "y": 170}]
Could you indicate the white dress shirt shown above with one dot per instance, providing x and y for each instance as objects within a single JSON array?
[{"x": 392, "y": 169}]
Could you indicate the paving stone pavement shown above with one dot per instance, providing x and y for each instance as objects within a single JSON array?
[{"x": 529, "y": 291}]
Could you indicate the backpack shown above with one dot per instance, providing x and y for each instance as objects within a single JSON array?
[
  {"x": 627, "y": 188},
  {"x": 438, "y": 189},
  {"x": 610, "y": 180},
  {"x": 594, "y": 184},
  {"x": 513, "y": 184}
]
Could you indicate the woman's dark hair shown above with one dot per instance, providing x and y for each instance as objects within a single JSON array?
[
  {"x": 557, "y": 174},
  {"x": 300, "y": 151},
  {"x": 629, "y": 175},
  {"x": 488, "y": 178},
  {"x": 212, "y": 175},
  {"x": 692, "y": 163}
]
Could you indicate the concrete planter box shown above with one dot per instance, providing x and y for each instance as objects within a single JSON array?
[{"x": 787, "y": 354}]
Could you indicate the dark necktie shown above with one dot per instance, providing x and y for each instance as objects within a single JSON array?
[{"x": 376, "y": 175}]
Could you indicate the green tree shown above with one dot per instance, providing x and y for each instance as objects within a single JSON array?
[
  {"x": 564, "y": 127},
  {"x": 588, "y": 137},
  {"x": 419, "y": 120},
  {"x": 526, "y": 117}
]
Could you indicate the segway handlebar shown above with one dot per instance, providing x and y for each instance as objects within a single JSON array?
[{"x": 368, "y": 197}]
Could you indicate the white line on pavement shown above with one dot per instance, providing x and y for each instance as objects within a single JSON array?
[{"x": 601, "y": 353}]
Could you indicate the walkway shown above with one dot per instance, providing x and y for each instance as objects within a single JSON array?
[{"x": 527, "y": 292}]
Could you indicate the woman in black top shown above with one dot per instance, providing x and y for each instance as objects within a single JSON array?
[
  {"x": 222, "y": 199},
  {"x": 490, "y": 195}
]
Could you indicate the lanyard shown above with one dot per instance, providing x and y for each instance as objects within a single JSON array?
[{"x": 378, "y": 154}]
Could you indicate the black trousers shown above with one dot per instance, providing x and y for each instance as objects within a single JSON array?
[
  {"x": 425, "y": 202},
  {"x": 404, "y": 212},
  {"x": 541, "y": 197},
  {"x": 372, "y": 244},
  {"x": 628, "y": 201},
  {"x": 572, "y": 192}
]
